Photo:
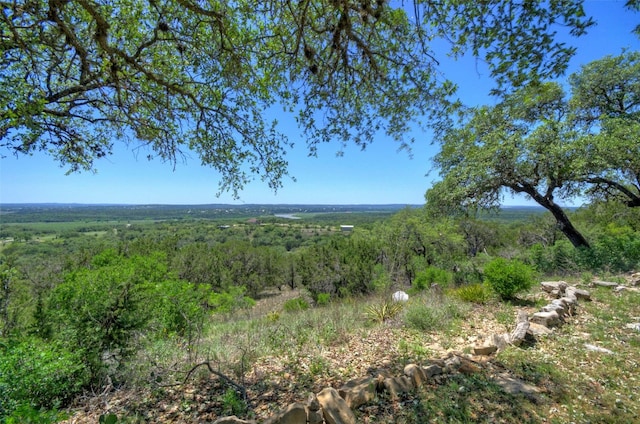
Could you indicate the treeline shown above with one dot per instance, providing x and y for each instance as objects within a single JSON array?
[
  {"x": 25, "y": 213},
  {"x": 83, "y": 305}
]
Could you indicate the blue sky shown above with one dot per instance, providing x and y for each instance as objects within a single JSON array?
[{"x": 378, "y": 175}]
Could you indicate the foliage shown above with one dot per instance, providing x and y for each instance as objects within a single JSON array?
[
  {"x": 522, "y": 145},
  {"x": 476, "y": 293},
  {"x": 230, "y": 300},
  {"x": 184, "y": 75},
  {"x": 99, "y": 309},
  {"x": 178, "y": 312},
  {"x": 26, "y": 414},
  {"x": 323, "y": 299},
  {"x": 538, "y": 143},
  {"x": 181, "y": 306},
  {"x": 36, "y": 375},
  {"x": 508, "y": 277},
  {"x": 606, "y": 101},
  {"x": 296, "y": 304},
  {"x": 8, "y": 275},
  {"x": 431, "y": 275},
  {"x": 383, "y": 310},
  {"x": 232, "y": 403}
]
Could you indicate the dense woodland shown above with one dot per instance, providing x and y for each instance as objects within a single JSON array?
[{"x": 80, "y": 298}]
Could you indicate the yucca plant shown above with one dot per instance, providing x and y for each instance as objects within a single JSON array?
[{"x": 383, "y": 311}]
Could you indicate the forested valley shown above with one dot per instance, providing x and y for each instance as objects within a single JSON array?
[{"x": 91, "y": 304}]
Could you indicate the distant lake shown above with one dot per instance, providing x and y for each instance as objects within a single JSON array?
[{"x": 286, "y": 216}]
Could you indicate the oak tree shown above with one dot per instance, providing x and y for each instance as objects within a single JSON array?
[
  {"x": 606, "y": 102},
  {"x": 524, "y": 145},
  {"x": 538, "y": 143},
  {"x": 173, "y": 76}
]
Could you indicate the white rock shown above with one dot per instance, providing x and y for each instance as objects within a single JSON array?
[
  {"x": 400, "y": 296},
  {"x": 599, "y": 349}
]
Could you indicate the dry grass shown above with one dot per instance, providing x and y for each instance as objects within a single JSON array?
[{"x": 281, "y": 357}]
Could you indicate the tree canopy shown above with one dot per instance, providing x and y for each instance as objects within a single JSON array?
[
  {"x": 606, "y": 101},
  {"x": 538, "y": 143},
  {"x": 171, "y": 75}
]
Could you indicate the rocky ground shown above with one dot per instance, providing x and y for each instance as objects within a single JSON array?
[{"x": 275, "y": 382}]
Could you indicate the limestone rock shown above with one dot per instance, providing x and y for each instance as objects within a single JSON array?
[
  {"x": 580, "y": 294},
  {"x": 548, "y": 319},
  {"x": 315, "y": 417},
  {"x": 485, "y": 349},
  {"x": 492, "y": 344},
  {"x": 452, "y": 363},
  {"x": 432, "y": 370},
  {"x": 398, "y": 385},
  {"x": 551, "y": 286},
  {"x": 416, "y": 374},
  {"x": 553, "y": 307},
  {"x": 634, "y": 279},
  {"x": 514, "y": 386},
  {"x": 312, "y": 402},
  {"x": 501, "y": 340},
  {"x": 400, "y": 296},
  {"x": 538, "y": 329},
  {"x": 605, "y": 283},
  {"x": 522, "y": 326},
  {"x": 358, "y": 392},
  {"x": 633, "y": 326},
  {"x": 334, "y": 409},
  {"x": 598, "y": 349},
  {"x": 468, "y": 367},
  {"x": 232, "y": 420},
  {"x": 296, "y": 413}
]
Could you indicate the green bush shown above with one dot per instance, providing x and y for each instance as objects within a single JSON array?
[
  {"x": 323, "y": 299},
  {"x": 508, "y": 277},
  {"x": 180, "y": 308},
  {"x": 296, "y": 304},
  {"x": 100, "y": 310},
  {"x": 475, "y": 293},
  {"x": 231, "y": 300},
  {"x": 35, "y": 376},
  {"x": 431, "y": 275},
  {"x": 27, "y": 414}
]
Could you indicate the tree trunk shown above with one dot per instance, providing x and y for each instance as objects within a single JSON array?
[
  {"x": 567, "y": 228},
  {"x": 562, "y": 219}
]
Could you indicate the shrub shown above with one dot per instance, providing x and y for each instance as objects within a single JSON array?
[
  {"x": 99, "y": 311},
  {"x": 233, "y": 403},
  {"x": 432, "y": 314},
  {"x": 180, "y": 306},
  {"x": 508, "y": 277},
  {"x": 323, "y": 299},
  {"x": 230, "y": 300},
  {"x": 296, "y": 304},
  {"x": 35, "y": 376},
  {"x": 383, "y": 311},
  {"x": 475, "y": 293},
  {"x": 424, "y": 279}
]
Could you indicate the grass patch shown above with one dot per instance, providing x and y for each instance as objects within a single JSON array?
[{"x": 433, "y": 313}]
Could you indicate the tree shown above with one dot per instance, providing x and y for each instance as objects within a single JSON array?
[
  {"x": 522, "y": 145},
  {"x": 606, "y": 101},
  {"x": 539, "y": 143},
  {"x": 172, "y": 75}
]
